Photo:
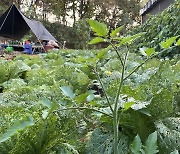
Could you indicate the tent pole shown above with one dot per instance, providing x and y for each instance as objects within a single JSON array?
[
  {"x": 42, "y": 45},
  {"x": 6, "y": 17}
]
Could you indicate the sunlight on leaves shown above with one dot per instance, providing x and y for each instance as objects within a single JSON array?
[
  {"x": 128, "y": 105},
  {"x": 166, "y": 44},
  {"x": 150, "y": 51},
  {"x": 45, "y": 114},
  {"x": 90, "y": 97},
  {"x": 178, "y": 43}
]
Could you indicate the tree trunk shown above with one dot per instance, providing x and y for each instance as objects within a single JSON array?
[
  {"x": 74, "y": 12},
  {"x": 81, "y": 8},
  {"x": 64, "y": 12}
]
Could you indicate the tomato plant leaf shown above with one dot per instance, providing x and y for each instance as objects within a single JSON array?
[
  {"x": 100, "y": 142},
  {"x": 90, "y": 97},
  {"x": 169, "y": 133},
  {"x": 136, "y": 145},
  {"x": 96, "y": 40},
  {"x": 150, "y": 51},
  {"x": 178, "y": 42},
  {"x": 67, "y": 91},
  {"x": 46, "y": 102},
  {"x": 151, "y": 144},
  {"x": 100, "y": 29},
  {"x": 128, "y": 105},
  {"x": 129, "y": 39},
  {"x": 169, "y": 41},
  {"x": 116, "y": 31},
  {"x": 102, "y": 53}
]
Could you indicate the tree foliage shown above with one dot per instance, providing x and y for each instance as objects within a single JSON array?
[{"x": 160, "y": 27}]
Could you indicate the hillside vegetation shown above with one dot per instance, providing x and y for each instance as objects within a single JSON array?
[{"x": 160, "y": 27}]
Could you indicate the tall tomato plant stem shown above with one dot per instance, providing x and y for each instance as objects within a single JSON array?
[
  {"x": 117, "y": 52},
  {"x": 115, "y": 113}
]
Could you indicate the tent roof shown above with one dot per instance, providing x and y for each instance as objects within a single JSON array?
[{"x": 14, "y": 25}]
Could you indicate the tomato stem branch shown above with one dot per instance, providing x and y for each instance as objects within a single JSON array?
[
  {"x": 103, "y": 88},
  {"x": 84, "y": 108}
]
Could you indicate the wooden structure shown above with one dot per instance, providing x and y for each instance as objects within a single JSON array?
[{"x": 153, "y": 7}]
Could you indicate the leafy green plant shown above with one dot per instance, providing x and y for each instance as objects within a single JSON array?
[
  {"x": 150, "y": 146},
  {"x": 92, "y": 101},
  {"x": 158, "y": 28},
  {"x": 101, "y": 31},
  {"x": 19, "y": 125}
]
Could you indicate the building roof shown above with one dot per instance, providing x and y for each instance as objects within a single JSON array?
[{"x": 148, "y": 6}]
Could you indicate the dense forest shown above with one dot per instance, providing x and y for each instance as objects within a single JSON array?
[{"x": 107, "y": 11}]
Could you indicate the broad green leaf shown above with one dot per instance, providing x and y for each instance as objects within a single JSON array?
[
  {"x": 100, "y": 29},
  {"x": 117, "y": 30},
  {"x": 128, "y": 105},
  {"x": 163, "y": 97},
  {"x": 126, "y": 40},
  {"x": 147, "y": 51},
  {"x": 178, "y": 42},
  {"x": 123, "y": 145},
  {"x": 168, "y": 133},
  {"x": 46, "y": 102},
  {"x": 50, "y": 105},
  {"x": 175, "y": 152},
  {"x": 100, "y": 143},
  {"x": 67, "y": 91},
  {"x": 151, "y": 144},
  {"x": 18, "y": 126},
  {"x": 136, "y": 145},
  {"x": 14, "y": 83},
  {"x": 166, "y": 44},
  {"x": 23, "y": 66},
  {"x": 90, "y": 97},
  {"x": 96, "y": 40},
  {"x": 150, "y": 51}
]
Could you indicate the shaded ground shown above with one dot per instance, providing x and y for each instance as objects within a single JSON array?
[{"x": 11, "y": 55}]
